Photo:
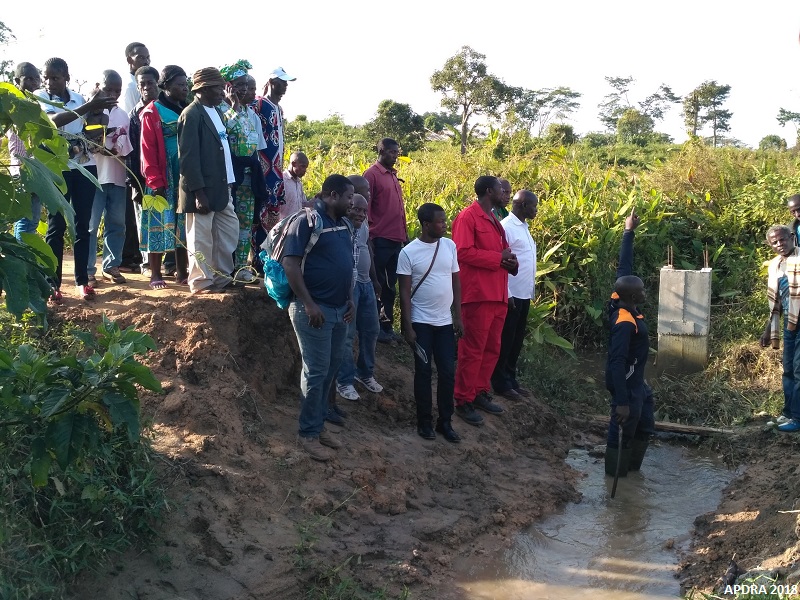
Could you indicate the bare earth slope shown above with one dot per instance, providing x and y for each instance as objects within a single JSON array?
[{"x": 252, "y": 517}]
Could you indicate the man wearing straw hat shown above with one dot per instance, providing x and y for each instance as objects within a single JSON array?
[{"x": 206, "y": 169}]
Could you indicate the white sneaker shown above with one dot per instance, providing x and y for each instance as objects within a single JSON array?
[
  {"x": 370, "y": 383},
  {"x": 348, "y": 392},
  {"x": 782, "y": 419},
  {"x": 245, "y": 276}
]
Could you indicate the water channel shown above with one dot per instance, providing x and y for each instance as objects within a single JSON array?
[{"x": 604, "y": 549}]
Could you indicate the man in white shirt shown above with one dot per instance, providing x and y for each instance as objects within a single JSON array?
[
  {"x": 293, "y": 191},
  {"x": 520, "y": 291},
  {"x": 430, "y": 288},
  {"x": 137, "y": 55}
]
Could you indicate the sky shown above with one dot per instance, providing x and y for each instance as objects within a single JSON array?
[{"x": 349, "y": 55}]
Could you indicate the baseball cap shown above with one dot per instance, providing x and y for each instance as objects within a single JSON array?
[{"x": 279, "y": 73}]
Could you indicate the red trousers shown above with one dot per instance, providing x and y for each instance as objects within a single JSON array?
[{"x": 479, "y": 349}]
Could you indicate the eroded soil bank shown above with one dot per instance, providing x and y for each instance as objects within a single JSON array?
[{"x": 252, "y": 517}]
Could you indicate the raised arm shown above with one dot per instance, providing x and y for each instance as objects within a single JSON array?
[{"x": 625, "y": 265}]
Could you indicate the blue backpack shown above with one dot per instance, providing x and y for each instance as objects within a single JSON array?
[{"x": 273, "y": 249}]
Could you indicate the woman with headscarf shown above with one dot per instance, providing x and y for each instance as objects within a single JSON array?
[
  {"x": 163, "y": 230},
  {"x": 246, "y": 138}
]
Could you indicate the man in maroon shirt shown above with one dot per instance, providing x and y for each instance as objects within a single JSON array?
[
  {"x": 387, "y": 230},
  {"x": 485, "y": 261}
]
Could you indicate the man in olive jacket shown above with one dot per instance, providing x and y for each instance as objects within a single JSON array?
[{"x": 212, "y": 228}]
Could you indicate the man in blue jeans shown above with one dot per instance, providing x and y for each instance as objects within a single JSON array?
[
  {"x": 366, "y": 322},
  {"x": 322, "y": 282},
  {"x": 783, "y": 292}
]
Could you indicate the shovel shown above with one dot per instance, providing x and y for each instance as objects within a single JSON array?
[{"x": 619, "y": 463}]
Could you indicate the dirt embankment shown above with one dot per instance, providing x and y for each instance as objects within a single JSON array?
[{"x": 252, "y": 517}]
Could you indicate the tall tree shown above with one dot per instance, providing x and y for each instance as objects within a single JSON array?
[
  {"x": 396, "y": 120},
  {"x": 635, "y": 127},
  {"x": 703, "y": 106},
  {"x": 539, "y": 108},
  {"x": 469, "y": 89},
  {"x": 658, "y": 103},
  {"x": 615, "y": 103},
  {"x": 6, "y": 73},
  {"x": 787, "y": 116}
]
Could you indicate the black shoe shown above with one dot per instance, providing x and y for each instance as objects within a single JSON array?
[
  {"x": 446, "y": 429},
  {"x": 484, "y": 402},
  {"x": 339, "y": 411},
  {"x": 385, "y": 337},
  {"x": 469, "y": 414},
  {"x": 334, "y": 417},
  {"x": 426, "y": 432},
  {"x": 511, "y": 394}
]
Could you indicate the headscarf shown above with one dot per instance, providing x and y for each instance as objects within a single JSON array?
[
  {"x": 236, "y": 70},
  {"x": 169, "y": 73}
]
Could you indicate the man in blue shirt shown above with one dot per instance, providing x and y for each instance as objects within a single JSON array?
[{"x": 322, "y": 306}]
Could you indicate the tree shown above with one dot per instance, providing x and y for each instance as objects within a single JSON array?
[
  {"x": 6, "y": 36},
  {"x": 772, "y": 142},
  {"x": 437, "y": 121},
  {"x": 635, "y": 127},
  {"x": 560, "y": 134},
  {"x": 615, "y": 103},
  {"x": 704, "y": 107},
  {"x": 469, "y": 89},
  {"x": 539, "y": 108},
  {"x": 787, "y": 116},
  {"x": 398, "y": 121},
  {"x": 658, "y": 103}
]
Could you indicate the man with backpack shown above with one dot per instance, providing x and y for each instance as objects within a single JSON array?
[{"x": 321, "y": 278}]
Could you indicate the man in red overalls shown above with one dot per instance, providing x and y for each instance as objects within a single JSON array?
[{"x": 485, "y": 261}]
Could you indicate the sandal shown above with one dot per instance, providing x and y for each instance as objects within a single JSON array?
[
  {"x": 86, "y": 292},
  {"x": 158, "y": 284}
]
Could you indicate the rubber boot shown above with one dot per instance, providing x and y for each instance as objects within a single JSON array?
[
  {"x": 638, "y": 448},
  {"x": 611, "y": 461}
]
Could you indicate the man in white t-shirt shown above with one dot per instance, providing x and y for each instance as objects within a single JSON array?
[
  {"x": 520, "y": 291},
  {"x": 138, "y": 56},
  {"x": 212, "y": 227},
  {"x": 109, "y": 200},
  {"x": 430, "y": 289}
]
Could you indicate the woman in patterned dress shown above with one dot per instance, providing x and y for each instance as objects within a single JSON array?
[{"x": 165, "y": 230}]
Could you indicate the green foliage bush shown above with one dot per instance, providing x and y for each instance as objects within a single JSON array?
[{"x": 76, "y": 479}]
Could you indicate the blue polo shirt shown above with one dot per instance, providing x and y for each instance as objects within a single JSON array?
[{"x": 328, "y": 272}]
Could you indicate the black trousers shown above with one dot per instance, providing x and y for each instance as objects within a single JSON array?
[
  {"x": 386, "y": 253},
  {"x": 80, "y": 194},
  {"x": 504, "y": 377},
  {"x": 439, "y": 344},
  {"x": 131, "y": 256}
]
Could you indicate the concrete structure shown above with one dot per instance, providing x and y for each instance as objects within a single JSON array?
[{"x": 684, "y": 320}]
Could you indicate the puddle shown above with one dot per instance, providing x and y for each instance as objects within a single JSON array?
[{"x": 616, "y": 549}]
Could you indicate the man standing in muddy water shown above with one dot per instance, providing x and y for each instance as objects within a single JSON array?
[
  {"x": 783, "y": 293},
  {"x": 322, "y": 307},
  {"x": 628, "y": 347},
  {"x": 485, "y": 260}
]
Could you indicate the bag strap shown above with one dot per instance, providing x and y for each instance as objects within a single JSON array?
[{"x": 433, "y": 260}]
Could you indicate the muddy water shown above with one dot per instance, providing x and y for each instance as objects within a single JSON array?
[{"x": 604, "y": 549}]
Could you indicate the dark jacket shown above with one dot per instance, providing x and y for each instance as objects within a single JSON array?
[
  {"x": 628, "y": 345},
  {"x": 202, "y": 160}
]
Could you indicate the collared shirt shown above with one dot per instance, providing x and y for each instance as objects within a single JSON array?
[
  {"x": 16, "y": 150},
  {"x": 111, "y": 169},
  {"x": 387, "y": 213},
  {"x": 131, "y": 96},
  {"x": 74, "y": 129},
  {"x": 521, "y": 243},
  {"x": 480, "y": 239},
  {"x": 293, "y": 193},
  {"x": 789, "y": 267}
]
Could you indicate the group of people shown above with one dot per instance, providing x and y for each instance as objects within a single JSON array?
[
  {"x": 186, "y": 189},
  {"x": 473, "y": 290}
]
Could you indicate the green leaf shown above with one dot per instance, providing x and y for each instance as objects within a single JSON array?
[
  {"x": 54, "y": 401},
  {"x": 40, "y": 462},
  {"x": 38, "y": 179},
  {"x": 141, "y": 375},
  {"x": 123, "y": 412},
  {"x": 14, "y": 277},
  {"x": 156, "y": 203},
  {"x": 43, "y": 251},
  {"x": 66, "y": 438}
]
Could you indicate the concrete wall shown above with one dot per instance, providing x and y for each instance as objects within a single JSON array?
[{"x": 684, "y": 320}]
